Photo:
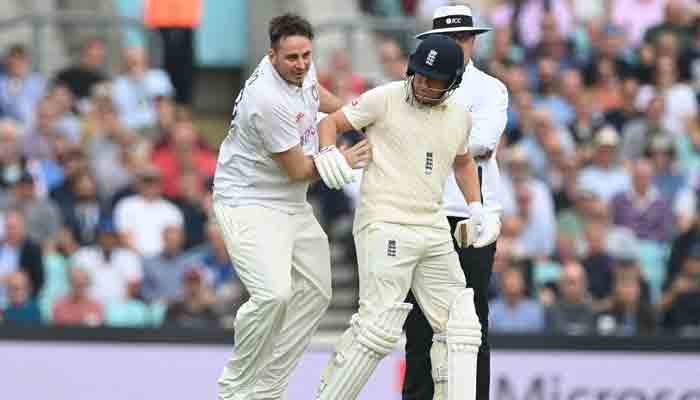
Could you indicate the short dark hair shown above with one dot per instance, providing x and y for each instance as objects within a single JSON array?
[
  {"x": 17, "y": 50},
  {"x": 289, "y": 25}
]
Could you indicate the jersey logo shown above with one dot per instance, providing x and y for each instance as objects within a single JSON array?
[
  {"x": 391, "y": 248},
  {"x": 299, "y": 116},
  {"x": 429, "y": 163},
  {"x": 432, "y": 55},
  {"x": 355, "y": 102}
]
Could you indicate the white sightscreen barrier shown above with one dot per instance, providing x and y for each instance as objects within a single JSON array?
[{"x": 71, "y": 371}]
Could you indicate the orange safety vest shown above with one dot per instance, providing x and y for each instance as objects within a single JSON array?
[{"x": 172, "y": 13}]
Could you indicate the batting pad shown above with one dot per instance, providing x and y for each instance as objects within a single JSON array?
[
  {"x": 360, "y": 350},
  {"x": 462, "y": 340}
]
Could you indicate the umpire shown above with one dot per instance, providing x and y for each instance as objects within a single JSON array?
[{"x": 487, "y": 99}]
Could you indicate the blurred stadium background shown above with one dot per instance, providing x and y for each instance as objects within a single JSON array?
[{"x": 114, "y": 282}]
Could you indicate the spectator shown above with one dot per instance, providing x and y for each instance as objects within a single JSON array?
[
  {"x": 547, "y": 96},
  {"x": 191, "y": 203},
  {"x": 141, "y": 218},
  {"x": 12, "y": 163},
  {"x": 394, "y": 63},
  {"x": 627, "y": 111},
  {"x": 136, "y": 91},
  {"x": 647, "y": 13},
  {"x": 642, "y": 209},
  {"x": 573, "y": 220},
  {"x": 537, "y": 237},
  {"x": 78, "y": 307},
  {"x": 512, "y": 312},
  {"x": 598, "y": 262},
  {"x": 183, "y": 154},
  {"x": 194, "y": 310},
  {"x": 681, "y": 302},
  {"x": 81, "y": 77},
  {"x": 18, "y": 253},
  {"x": 39, "y": 139},
  {"x": 340, "y": 78},
  {"x": 587, "y": 121},
  {"x": 110, "y": 267},
  {"x": 680, "y": 101},
  {"x": 67, "y": 122},
  {"x": 131, "y": 311},
  {"x": 607, "y": 85},
  {"x": 20, "y": 88},
  {"x": 668, "y": 178},
  {"x": 83, "y": 214},
  {"x": 688, "y": 147},
  {"x": 21, "y": 308},
  {"x": 571, "y": 313},
  {"x": 163, "y": 274},
  {"x": 216, "y": 265},
  {"x": 605, "y": 177},
  {"x": 73, "y": 164},
  {"x": 639, "y": 133},
  {"x": 110, "y": 146},
  {"x": 675, "y": 22},
  {"x": 628, "y": 314},
  {"x": 43, "y": 218},
  {"x": 526, "y": 19},
  {"x": 546, "y": 136}
]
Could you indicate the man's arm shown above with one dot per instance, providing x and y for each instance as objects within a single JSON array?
[
  {"x": 331, "y": 126},
  {"x": 329, "y": 103},
  {"x": 467, "y": 178},
  {"x": 298, "y": 166},
  {"x": 488, "y": 123}
]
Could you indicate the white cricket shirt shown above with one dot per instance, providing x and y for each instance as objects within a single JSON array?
[
  {"x": 269, "y": 116},
  {"x": 486, "y": 98},
  {"x": 413, "y": 151}
]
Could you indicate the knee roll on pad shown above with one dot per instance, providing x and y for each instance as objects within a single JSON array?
[{"x": 360, "y": 350}]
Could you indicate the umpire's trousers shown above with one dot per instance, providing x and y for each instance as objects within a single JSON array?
[{"x": 418, "y": 382}]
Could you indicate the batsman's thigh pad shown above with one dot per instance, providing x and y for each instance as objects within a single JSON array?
[{"x": 361, "y": 349}]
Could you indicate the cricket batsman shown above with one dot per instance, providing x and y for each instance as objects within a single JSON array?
[
  {"x": 418, "y": 135},
  {"x": 281, "y": 253}
]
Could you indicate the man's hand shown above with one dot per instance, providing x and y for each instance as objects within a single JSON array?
[
  {"x": 479, "y": 230},
  {"x": 359, "y": 155},
  {"x": 333, "y": 167}
]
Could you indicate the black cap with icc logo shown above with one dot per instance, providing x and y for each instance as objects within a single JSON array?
[{"x": 438, "y": 57}]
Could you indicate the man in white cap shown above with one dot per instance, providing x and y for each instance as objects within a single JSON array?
[{"x": 487, "y": 100}]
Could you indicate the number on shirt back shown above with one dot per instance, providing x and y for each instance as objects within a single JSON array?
[{"x": 247, "y": 83}]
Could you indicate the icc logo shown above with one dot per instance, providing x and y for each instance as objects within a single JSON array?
[{"x": 450, "y": 21}]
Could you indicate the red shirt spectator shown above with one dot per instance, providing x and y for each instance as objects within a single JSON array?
[
  {"x": 77, "y": 308},
  {"x": 182, "y": 154}
]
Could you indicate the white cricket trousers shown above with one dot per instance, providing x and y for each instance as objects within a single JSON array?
[
  {"x": 283, "y": 261},
  {"x": 394, "y": 258}
]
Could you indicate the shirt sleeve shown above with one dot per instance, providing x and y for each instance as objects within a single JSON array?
[
  {"x": 275, "y": 123},
  {"x": 464, "y": 147},
  {"x": 489, "y": 120},
  {"x": 367, "y": 109}
]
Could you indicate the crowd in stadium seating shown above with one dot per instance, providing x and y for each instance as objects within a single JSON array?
[
  {"x": 104, "y": 200},
  {"x": 105, "y": 182}
]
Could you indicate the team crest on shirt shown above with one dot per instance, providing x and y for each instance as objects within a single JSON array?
[
  {"x": 299, "y": 117},
  {"x": 429, "y": 163},
  {"x": 355, "y": 102}
]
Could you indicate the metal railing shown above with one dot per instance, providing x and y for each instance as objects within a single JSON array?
[{"x": 110, "y": 28}]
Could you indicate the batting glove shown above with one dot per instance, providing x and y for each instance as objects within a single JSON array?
[
  {"x": 481, "y": 229},
  {"x": 333, "y": 168}
]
